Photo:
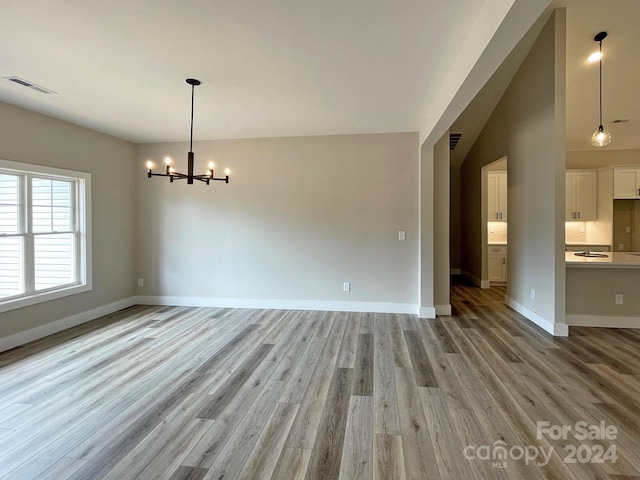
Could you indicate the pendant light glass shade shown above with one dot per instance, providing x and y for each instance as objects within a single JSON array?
[{"x": 600, "y": 137}]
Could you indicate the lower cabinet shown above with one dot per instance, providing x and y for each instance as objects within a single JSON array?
[{"x": 497, "y": 262}]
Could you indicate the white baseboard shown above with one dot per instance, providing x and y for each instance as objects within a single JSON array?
[
  {"x": 27, "y": 336},
  {"x": 271, "y": 304},
  {"x": 603, "y": 321},
  {"x": 426, "y": 312},
  {"x": 556, "y": 329},
  {"x": 475, "y": 280}
]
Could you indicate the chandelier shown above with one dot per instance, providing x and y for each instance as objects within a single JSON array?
[{"x": 189, "y": 176}]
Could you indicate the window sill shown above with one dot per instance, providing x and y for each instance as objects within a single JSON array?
[{"x": 36, "y": 298}]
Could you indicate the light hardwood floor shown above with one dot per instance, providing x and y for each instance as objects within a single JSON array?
[{"x": 204, "y": 393}]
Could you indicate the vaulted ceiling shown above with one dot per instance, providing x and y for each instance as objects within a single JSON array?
[
  {"x": 285, "y": 68},
  {"x": 277, "y": 68}
]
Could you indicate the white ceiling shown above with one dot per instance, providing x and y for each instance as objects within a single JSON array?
[
  {"x": 620, "y": 72},
  {"x": 621, "y": 77},
  {"x": 286, "y": 68},
  {"x": 277, "y": 68}
]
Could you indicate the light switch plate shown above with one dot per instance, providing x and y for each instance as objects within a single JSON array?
[{"x": 401, "y": 235}]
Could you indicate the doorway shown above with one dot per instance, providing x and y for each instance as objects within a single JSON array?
[{"x": 494, "y": 224}]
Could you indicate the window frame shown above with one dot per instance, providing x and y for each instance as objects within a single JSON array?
[{"x": 81, "y": 217}]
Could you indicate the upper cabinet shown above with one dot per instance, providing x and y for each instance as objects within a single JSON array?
[
  {"x": 497, "y": 197},
  {"x": 581, "y": 195},
  {"x": 626, "y": 182}
]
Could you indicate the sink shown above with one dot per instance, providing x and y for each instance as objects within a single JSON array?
[{"x": 593, "y": 255}]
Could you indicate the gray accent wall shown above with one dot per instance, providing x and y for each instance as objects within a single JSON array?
[
  {"x": 30, "y": 137},
  {"x": 300, "y": 217}
]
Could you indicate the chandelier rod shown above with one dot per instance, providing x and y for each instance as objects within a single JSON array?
[{"x": 193, "y": 86}]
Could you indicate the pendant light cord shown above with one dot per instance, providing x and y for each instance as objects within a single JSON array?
[{"x": 601, "y": 127}]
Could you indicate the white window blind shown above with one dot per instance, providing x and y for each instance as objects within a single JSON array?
[
  {"x": 52, "y": 206},
  {"x": 11, "y": 245}
]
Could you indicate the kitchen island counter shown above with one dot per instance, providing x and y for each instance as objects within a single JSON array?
[
  {"x": 603, "y": 291},
  {"x": 612, "y": 260}
]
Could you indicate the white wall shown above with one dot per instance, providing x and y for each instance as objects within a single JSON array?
[
  {"x": 527, "y": 113},
  {"x": 29, "y": 137},
  {"x": 300, "y": 217},
  {"x": 441, "y": 225}
]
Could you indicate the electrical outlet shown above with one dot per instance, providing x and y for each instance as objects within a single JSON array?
[
  {"x": 619, "y": 299},
  {"x": 346, "y": 287},
  {"x": 401, "y": 235},
  {"x": 141, "y": 282},
  {"x": 492, "y": 229},
  {"x": 533, "y": 294},
  {"x": 621, "y": 247},
  {"x": 581, "y": 228},
  {"x": 627, "y": 229}
]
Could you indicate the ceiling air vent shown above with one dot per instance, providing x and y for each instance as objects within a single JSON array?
[
  {"x": 454, "y": 138},
  {"x": 31, "y": 85}
]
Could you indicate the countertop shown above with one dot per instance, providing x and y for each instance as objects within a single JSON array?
[
  {"x": 612, "y": 260},
  {"x": 580, "y": 244}
]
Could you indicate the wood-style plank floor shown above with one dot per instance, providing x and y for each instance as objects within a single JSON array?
[{"x": 207, "y": 393}]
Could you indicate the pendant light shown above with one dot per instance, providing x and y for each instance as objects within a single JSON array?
[
  {"x": 189, "y": 176},
  {"x": 600, "y": 137}
]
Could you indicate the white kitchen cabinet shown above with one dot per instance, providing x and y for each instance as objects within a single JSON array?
[
  {"x": 626, "y": 182},
  {"x": 497, "y": 197},
  {"x": 581, "y": 195},
  {"x": 497, "y": 262}
]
